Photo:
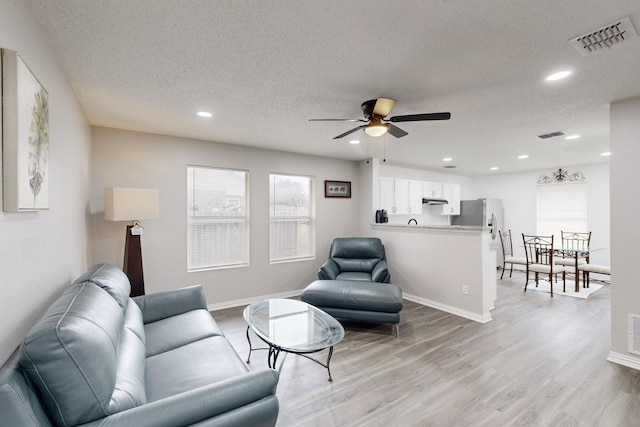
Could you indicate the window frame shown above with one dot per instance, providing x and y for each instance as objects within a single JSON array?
[
  {"x": 582, "y": 218},
  {"x": 311, "y": 218},
  {"x": 245, "y": 262}
]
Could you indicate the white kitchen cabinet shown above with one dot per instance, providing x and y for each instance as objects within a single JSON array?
[
  {"x": 415, "y": 197},
  {"x": 386, "y": 195},
  {"x": 400, "y": 196},
  {"x": 432, "y": 189},
  {"x": 451, "y": 192}
]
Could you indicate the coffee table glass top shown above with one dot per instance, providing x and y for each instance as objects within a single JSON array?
[{"x": 293, "y": 326}]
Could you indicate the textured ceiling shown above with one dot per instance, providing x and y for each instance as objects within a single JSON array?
[{"x": 264, "y": 68}]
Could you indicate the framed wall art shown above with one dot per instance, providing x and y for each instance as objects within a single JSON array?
[
  {"x": 25, "y": 137},
  {"x": 337, "y": 189}
]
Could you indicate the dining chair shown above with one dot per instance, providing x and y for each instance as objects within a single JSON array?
[
  {"x": 592, "y": 268},
  {"x": 507, "y": 252},
  {"x": 539, "y": 253},
  {"x": 572, "y": 243}
]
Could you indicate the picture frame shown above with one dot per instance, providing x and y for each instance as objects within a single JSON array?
[
  {"x": 340, "y": 189},
  {"x": 25, "y": 137}
]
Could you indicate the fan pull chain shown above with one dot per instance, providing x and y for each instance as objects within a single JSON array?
[{"x": 384, "y": 148}]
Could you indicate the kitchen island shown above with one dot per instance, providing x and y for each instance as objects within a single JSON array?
[{"x": 448, "y": 267}]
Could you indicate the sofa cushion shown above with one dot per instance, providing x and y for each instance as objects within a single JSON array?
[
  {"x": 176, "y": 331},
  {"x": 354, "y": 295},
  {"x": 354, "y": 275},
  {"x": 111, "y": 279},
  {"x": 19, "y": 403},
  {"x": 72, "y": 356},
  {"x": 193, "y": 365}
]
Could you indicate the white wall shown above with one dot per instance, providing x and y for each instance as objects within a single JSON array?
[
  {"x": 42, "y": 252},
  {"x": 129, "y": 159},
  {"x": 625, "y": 234},
  {"x": 518, "y": 194}
]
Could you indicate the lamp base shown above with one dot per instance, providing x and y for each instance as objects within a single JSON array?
[{"x": 132, "y": 265}]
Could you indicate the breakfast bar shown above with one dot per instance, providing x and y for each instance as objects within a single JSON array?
[{"x": 448, "y": 267}]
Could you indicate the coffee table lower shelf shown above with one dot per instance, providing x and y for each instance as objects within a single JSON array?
[{"x": 274, "y": 353}]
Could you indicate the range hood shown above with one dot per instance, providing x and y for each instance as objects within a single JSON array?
[{"x": 434, "y": 201}]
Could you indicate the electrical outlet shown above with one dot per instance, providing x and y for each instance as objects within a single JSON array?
[{"x": 465, "y": 289}]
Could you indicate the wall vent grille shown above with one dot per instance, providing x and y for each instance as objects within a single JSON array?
[
  {"x": 634, "y": 334},
  {"x": 605, "y": 37},
  {"x": 551, "y": 135}
]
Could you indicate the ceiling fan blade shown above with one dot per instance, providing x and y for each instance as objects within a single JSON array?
[
  {"x": 396, "y": 131},
  {"x": 420, "y": 117},
  {"x": 337, "y": 120},
  {"x": 383, "y": 106},
  {"x": 350, "y": 131}
]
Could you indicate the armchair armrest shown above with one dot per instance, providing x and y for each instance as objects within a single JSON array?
[
  {"x": 329, "y": 270},
  {"x": 255, "y": 391},
  {"x": 380, "y": 272},
  {"x": 170, "y": 303}
]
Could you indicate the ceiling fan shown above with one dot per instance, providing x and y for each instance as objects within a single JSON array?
[{"x": 375, "y": 111}]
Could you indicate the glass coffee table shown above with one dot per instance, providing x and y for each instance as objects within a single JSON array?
[{"x": 292, "y": 326}]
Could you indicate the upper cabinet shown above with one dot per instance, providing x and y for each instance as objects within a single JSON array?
[
  {"x": 451, "y": 192},
  {"x": 404, "y": 196},
  {"x": 400, "y": 196},
  {"x": 432, "y": 189}
]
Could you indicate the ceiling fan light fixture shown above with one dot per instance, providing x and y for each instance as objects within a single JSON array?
[{"x": 376, "y": 129}]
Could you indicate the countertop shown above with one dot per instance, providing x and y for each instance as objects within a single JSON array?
[{"x": 431, "y": 227}]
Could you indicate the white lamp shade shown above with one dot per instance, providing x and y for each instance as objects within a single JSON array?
[
  {"x": 376, "y": 129},
  {"x": 131, "y": 204}
]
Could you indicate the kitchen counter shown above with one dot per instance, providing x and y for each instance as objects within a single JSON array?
[
  {"x": 448, "y": 267},
  {"x": 432, "y": 227}
]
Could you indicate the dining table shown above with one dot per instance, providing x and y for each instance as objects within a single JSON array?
[{"x": 577, "y": 253}]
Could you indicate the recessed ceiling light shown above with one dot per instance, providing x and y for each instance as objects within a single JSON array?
[
  {"x": 354, "y": 141},
  {"x": 523, "y": 156},
  {"x": 572, "y": 137},
  {"x": 447, "y": 159},
  {"x": 605, "y": 154},
  {"x": 495, "y": 168},
  {"x": 204, "y": 114},
  {"x": 558, "y": 76}
]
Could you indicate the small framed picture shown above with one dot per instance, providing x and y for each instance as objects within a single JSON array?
[{"x": 337, "y": 189}]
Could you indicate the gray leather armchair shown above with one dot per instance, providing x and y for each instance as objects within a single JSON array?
[{"x": 356, "y": 258}]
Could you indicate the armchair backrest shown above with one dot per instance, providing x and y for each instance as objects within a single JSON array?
[{"x": 358, "y": 254}]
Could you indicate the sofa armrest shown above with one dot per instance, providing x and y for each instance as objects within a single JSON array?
[
  {"x": 255, "y": 392},
  {"x": 380, "y": 272},
  {"x": 329, "y": 270},
  {"x": 170, "y": 303}
]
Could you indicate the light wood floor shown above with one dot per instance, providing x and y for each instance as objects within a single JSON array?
[{"x": 540, "y": 362}]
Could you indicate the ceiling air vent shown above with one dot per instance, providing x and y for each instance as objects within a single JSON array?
[
  {"x": 604, "y": 37},
  {"x": 551, "y": 135}
]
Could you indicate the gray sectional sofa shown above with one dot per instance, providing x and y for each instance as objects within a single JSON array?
[{"x": 100, "y": 358}]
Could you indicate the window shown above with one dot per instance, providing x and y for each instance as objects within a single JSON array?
[
  {"x": 217, "y": 219},
  {"x": 291, "y": 218},
  {"x": 562, "y": 207}
]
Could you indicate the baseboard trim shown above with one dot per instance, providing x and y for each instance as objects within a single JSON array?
[
  {"x": 448, "y": 308},
  {"x": 419, "y": 300},
  {"x": 247, "y": 301},
  {"x": 624, "y": 360}
]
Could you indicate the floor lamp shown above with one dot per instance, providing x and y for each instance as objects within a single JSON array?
[{"x": 132, "y": 204}]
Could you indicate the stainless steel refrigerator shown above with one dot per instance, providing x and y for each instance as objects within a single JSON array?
[{"x": 486, "y": 213}]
